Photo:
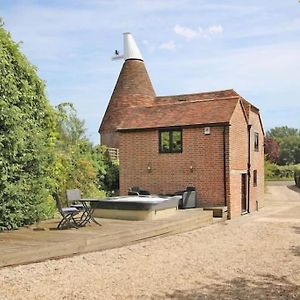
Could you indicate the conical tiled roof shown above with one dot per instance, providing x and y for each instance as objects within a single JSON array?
[{"x": 132, "y": 89}]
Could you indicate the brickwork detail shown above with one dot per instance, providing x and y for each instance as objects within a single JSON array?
[{"x": 171, "y": 172}]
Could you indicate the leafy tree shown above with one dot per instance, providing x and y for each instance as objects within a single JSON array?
[
  {"x": 74, "y": 168},
  {"x": 71, "y": 129},
  {"x": 272, "y": 150},
  {"x": 79, "y": 163},
  {"x": 107, "y": 171},
  {"x": 279, "y": 133},
  {"x": 289, "y": 143},
  {"x": 27, "y": 138},
  {"x": 41, "y": 148}
]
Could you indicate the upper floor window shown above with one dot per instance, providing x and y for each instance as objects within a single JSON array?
[
  {"x": 170, "y": 141},
  {"x": 255, "y": 178},
  {"x": 256, "y": 141}
]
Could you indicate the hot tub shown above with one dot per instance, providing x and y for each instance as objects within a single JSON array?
[{"x": 136, "y": 207}]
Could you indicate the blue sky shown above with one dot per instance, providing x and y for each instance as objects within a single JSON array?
[{"x": 188, "y": 46}]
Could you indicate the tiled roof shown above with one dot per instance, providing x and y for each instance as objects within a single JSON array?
[
  {"x": 198, "y": 111},
  {"x": 197, "y": 97},
  {"x": 133, "y": 88}
]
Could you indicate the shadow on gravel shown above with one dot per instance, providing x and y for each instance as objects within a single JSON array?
[
  {"x": 264, "y": 287},
  {"x": 294, "y": 188},
  {"x": 297, "y": 229},
  {"x": 296, "y": 250}
]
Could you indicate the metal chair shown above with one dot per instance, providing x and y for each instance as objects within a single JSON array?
[
  {"x": 68, "y": 214},
  {"x": 189, "y": 198},
  {"x": 73, "y": 196}
]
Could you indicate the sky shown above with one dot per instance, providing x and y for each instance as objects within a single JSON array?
[{"x": 188, "y": 46}]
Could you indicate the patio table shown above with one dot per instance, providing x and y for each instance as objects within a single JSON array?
[{"x": 87, "y": 215}]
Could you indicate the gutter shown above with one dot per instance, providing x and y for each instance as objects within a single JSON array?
[
  {"x": 249, "y": 166},
  {"x": 218, "y": 124},
  {"x": 224, "y": 162}
]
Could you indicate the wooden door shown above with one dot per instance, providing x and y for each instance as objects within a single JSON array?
[{"x": 244, "y": 193}]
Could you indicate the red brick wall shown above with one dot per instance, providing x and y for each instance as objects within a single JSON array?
[
  {"x": 257, "y": 162},
  {"x": 171, "y": 172},
  {"x": 238, "y": 158},
  {"x": 238, "y": 138}
]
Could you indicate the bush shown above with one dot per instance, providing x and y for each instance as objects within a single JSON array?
[
  {"x": 276, "y": 172},
  {"x": 107, "y": 171},
  {"x": 297, "y": 175},
  {"x": 27, "y": 124},
  {"x": 41, "y": 149}
]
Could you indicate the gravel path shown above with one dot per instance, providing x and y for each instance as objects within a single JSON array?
[{"x": 256, "y": 256}]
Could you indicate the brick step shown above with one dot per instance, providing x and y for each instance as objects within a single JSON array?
[{"x": 218, "y": 211}]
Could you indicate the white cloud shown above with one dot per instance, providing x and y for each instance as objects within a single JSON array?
[
  {"x": 171, "y": 46},
  {"x": 215, "y": 29},
  {"x": 189, "y": 33},
  {"x": 186, "y": 32}
]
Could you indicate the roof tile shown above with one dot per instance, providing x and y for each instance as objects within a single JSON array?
[{"x": 180, "y": 113}]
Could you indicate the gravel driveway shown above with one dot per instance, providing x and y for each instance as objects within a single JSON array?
[{"x": 256, "y": 256}]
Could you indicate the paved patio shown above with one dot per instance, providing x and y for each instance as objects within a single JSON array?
[{"x": 43, "y": 241}]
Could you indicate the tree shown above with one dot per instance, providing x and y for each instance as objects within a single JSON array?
[
  {"x": 289, "y": 143},
  {"x": 27, "y": 136},
  {"x": 107, "y": 170},
  {"x": 272, "y": 150},
  {"x": 74, "y": 164},
  {"x": 71, "y": 129},
  {"x": 279, "y": 133},
  {"x": 79, "y": 163}
]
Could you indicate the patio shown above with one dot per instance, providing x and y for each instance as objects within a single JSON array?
[{"x": 43, "y": 241}]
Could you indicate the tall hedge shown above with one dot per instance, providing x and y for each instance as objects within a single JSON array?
[{"x": 27, "y": 126}]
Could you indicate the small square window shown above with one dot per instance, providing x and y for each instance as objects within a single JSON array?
[
  {"x": 256, "y": 141},
  {"x": 254, "y": 177},
  {"x": 170, "y": 141}
]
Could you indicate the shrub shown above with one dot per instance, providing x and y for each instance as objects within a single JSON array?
[
  {"x": 276, "y": 172},
  {"x": 26, "y": 140},
  {"x": 297, "y": 175}
]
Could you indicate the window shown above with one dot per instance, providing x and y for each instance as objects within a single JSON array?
[
  {"x": 255, "y": 178},
  {"x": 256, "y": 141},
  {"x": 170, "y": 141}
]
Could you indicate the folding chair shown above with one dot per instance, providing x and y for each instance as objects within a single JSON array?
[
  {"x": 68, "y": 214},
  {"x": 73, "y": 196},
  {"x": 73, "y": 200}
]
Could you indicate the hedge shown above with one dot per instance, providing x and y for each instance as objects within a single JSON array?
[{"x": 27, "y": 124}]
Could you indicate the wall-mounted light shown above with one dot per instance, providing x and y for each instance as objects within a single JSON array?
[
  {"x": 206, "y": 130},
  {"x": 149, "y": 167},
  {"x": 191, "y": 167}
]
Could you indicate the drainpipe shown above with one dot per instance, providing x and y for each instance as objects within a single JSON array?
[
  {"x": 249, "y": 165},
  {"x": 224, "y": 161}
]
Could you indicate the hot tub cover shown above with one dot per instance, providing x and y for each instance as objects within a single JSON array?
[{"x": 149, "y": 203}]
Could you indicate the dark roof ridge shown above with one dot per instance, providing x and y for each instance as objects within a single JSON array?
[
  {"x": 199, "y": 93},
  {"x": 189, "y": 101}
]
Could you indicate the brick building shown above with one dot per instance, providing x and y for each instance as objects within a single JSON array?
[{"x": 211, "y": 140}]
